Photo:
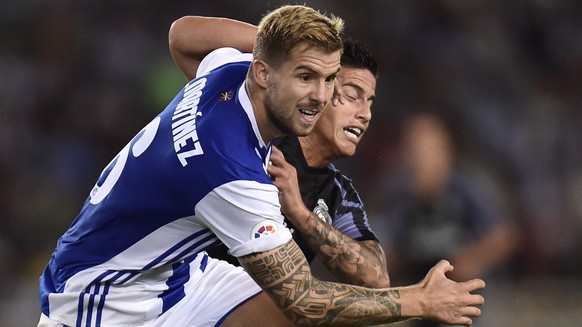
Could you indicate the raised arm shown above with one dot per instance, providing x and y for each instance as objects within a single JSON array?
[{"x": 191, "y": 38}]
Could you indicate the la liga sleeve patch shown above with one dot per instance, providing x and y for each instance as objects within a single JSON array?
[{"x": 263, "y": 228}]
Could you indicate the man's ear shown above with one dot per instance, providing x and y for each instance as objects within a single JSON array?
[{"x": 260, "y": 71}]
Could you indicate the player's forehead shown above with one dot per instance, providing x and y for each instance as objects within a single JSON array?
[
  {"x": 316, "y": 60},
  {"x": 361, "y": 79}
]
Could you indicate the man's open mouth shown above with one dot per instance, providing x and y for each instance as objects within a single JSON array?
[
  {"x": 353, "y": 131},
  {"x": 309, "y": 114}
]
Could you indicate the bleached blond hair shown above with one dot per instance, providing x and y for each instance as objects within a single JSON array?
[{"x": 288, "y": 26}]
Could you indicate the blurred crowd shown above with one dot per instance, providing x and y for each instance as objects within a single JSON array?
[{"x": 79, "y": 78}]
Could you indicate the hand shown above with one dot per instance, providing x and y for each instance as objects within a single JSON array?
[
  {"x": 338, "y": 93},
  {"x": 284, "y": 176},
  {"x": 448, "y": 301}
]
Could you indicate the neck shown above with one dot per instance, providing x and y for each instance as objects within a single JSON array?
[
  {"x": 257, "y": 98},
  {"x": 314, "y": 155}
]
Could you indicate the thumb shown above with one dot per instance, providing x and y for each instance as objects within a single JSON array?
[{"x": 445, "y": 266}]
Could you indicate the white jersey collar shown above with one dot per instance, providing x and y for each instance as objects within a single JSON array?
[{"x": 245, "y": 101}]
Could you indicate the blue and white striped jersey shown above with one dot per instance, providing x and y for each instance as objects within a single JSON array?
[{"x": 193, "y": 178}]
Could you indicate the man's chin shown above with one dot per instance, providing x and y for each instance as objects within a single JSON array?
[
  {"x": 305, "y": 130},
  {"x": 298, "y": 129}
]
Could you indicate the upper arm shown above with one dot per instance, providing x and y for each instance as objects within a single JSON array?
[
  {"x": 187, "y": 52},
  {"x": 245, "y": 215},
  {"x": 191, "y": 38}
]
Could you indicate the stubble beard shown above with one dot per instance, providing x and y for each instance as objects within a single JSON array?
[{"x": 285, "y": 125}]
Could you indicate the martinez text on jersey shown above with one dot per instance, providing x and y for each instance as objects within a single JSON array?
[{"x": 184, "y": 125}]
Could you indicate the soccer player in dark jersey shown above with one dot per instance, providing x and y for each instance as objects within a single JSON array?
[{"x": 338, "y": 232}]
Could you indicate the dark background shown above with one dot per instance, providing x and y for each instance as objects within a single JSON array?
[{"x": 79, "y": 78}]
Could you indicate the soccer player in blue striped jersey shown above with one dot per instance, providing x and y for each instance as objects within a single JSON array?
[
  {"x": 197, "y": 176},
  {"x": 338, "y": 232}
]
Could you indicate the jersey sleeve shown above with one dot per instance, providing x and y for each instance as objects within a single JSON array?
[
  {"x": 219, "y": 57},
  {"x": 351, "y": 217},
  {"x": 246, "y": 216},
  {"x": 240, "y": 204}
]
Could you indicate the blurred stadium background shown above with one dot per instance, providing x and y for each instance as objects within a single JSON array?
[{"x": 79, "y": 78}]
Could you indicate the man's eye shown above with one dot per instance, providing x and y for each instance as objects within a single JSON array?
[
  {"x": 350, "y": 94},
  {"x": 304, "y": 78}
]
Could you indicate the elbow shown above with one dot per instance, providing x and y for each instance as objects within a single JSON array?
[
  {"x": 383, "y": 283},
  {"x": 176, "y": 31},
  {"x": 380, "y": 282},
  {"x": 186, "y": 29}
]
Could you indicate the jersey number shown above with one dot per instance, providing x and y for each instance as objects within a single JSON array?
[{"x": 113, "y": 171}]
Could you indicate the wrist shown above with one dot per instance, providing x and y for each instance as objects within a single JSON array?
[
  {"x": 413, "y": 302},
  {"x": 301, "y": 218}
]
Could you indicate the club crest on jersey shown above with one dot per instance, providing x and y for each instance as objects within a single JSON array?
[
  {"x": 225, "y": 96},
  {"x": 322, "y": 211},
  {"x": 264, "y": 228}
]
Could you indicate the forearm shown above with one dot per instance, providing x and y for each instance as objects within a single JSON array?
[
  {"x": 354, "y": 262},
  {"x": 308, "y": 301},
  {"x": 191, "y": 38}
]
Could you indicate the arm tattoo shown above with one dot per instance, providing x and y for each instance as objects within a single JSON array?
[
  {"x": 353, "y": 262},
  {"x": 285, "y": 275}
]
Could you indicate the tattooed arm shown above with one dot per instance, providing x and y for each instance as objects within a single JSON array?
[
  {"x": 351, "y": 261},
  {"x": 285, "y": 276},
  {"x": 354, "y": 262}
]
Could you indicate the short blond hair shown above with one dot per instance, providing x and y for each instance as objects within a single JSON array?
[{"x": 288, "y": 26}]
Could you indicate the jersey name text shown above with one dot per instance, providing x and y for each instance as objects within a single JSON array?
[{"x": 184, "y": 123}]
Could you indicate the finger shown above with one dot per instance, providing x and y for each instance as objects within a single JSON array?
[
  {"x": 275, "y": 171},
  {"x": 281, "y": 173},
  {"x": 443, "y": 266},
  {"x": 474, "y": 284},
  {"x": 477, "y": 299},
  {"x": 337, "y": 94},
  {"x": 272, "y": 175},
  {"x": 472, "y": 312},
  {"x": 277, "y": 158},
  {"x": 275, "y": 152},
  {"x": 275, "y": 149},
  {"x": 466, "y": 321}
]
